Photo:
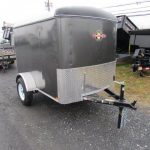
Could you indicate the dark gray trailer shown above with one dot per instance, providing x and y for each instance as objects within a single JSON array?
[{"x": 69, "y": 57}]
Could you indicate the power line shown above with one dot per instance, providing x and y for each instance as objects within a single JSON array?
[
  {"x": 148, "y": 14},
  {"x": 138, "y": 2},
  {"x": 130, "y": 9},
  {"x": 132, "y": 12}
]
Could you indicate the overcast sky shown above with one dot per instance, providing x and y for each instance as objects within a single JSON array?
[{"x": 23, "y": 11}]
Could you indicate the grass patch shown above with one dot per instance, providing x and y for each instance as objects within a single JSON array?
[{"x": 137, "y": 88}]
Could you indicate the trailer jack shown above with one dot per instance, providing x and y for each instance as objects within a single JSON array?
[{"x": 118, "y": 101}]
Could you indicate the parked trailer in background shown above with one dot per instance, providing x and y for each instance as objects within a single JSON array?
[
  {"x": 7, "y": 51},
  {"x": 140, "y": 43},
  {"x": 69, "y": 58},
  {"x": 140, "y": 39},
  {"x": 7, "y": 55},
  {"x": 141, "y": 59}
]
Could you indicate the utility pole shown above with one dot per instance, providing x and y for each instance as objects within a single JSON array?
[{"x": 48, "y": 5}]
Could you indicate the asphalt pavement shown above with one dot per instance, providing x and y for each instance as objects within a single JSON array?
[{"x": 47, "y": 125}]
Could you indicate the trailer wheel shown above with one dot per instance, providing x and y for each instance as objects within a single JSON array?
[
  {"x": 141, "y": 74},
  {"x": 25, "y": 97},
  {"x": 12, "y": 62}
]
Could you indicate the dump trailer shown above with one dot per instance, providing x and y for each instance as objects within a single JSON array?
[
  {"x": 69, "y": 58},
  {"x": 7, "y": 51},
  {"x": 124, "y": 26}
]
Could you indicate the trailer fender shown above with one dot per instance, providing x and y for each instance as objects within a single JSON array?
[{"x": 33, "y": 80}]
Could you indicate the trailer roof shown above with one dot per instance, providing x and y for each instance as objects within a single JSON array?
[
  {"x": 85, "y": 12},
  {"x": 77, "y": 12}
]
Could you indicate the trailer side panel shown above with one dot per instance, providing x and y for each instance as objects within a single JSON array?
[{"x": 37, "y": 48}]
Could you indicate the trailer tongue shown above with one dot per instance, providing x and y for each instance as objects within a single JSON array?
[{"x": 118, "y": 101}]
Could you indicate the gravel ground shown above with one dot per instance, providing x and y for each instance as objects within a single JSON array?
[{"x": 48, "y": 125}]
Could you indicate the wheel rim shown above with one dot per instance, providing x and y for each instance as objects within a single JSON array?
[{"x": 21, "y": 92}]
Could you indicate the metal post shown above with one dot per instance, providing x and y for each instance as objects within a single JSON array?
[
  {"x": 48, "y": 4},
  {"x": 129, "y": 49},
  {"x": 122, "y": 92},
  {"x": 121, "y": 108}
]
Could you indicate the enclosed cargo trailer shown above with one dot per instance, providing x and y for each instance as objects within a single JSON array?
[{"x": 69, "y": 57}]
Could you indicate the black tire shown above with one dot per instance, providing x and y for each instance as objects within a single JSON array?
[
  {"x": 12, "y": 62},
  {"x": 25, "y": 97},
  {"x": 141, "y": 74}
]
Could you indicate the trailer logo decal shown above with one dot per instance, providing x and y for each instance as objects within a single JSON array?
[{"x": 98, "y": 36}]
